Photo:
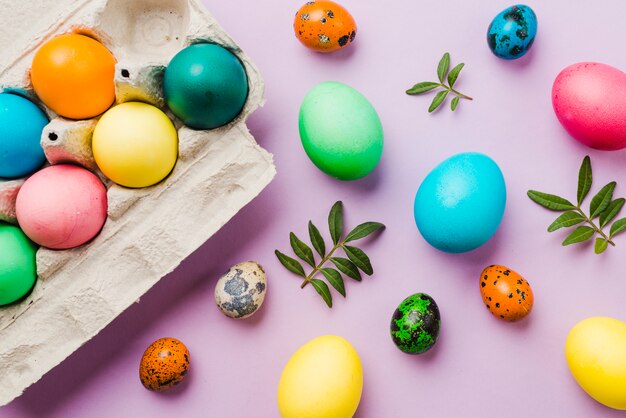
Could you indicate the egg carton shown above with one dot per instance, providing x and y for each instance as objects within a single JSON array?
[{"x": 148, "y": 231}]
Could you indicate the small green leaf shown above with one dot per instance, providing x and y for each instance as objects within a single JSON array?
[
  {"x": 566, "y": 219},
  {"x": 438, "y": 100},
  {"x": 442, "y": 67},
  {"x": 585, "y": 179},
  {"x": 454, "y": 103},
  {"x": 601, "y": 200},
  {"x": 618, "y": 226},
  {"x": 359, "y": 258},
  {"x": 423, "y": 87},
  {"x": 601, "y": 245},
  {"x": 611, "y": 211},
  {"x": 347, "y": 267},
  {"x": 363, "y": 230},
  {"x": 335, "y": 221},
  {"x": 323, "y": 290},
  {"x": 317, "y": 240},
  {"x": 302, "y": 250},
  {"x": 580, "y": 234},
  {"x": 550, "y": 201},
  {"x": 290, "y": 264},
  {"x": 454, "y": 74},
  {"x": 335, "y": 279}
]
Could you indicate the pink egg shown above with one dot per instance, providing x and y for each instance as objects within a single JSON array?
[
  {"x": 62, "y": 206},
  {"x": 589, "y": 100}
]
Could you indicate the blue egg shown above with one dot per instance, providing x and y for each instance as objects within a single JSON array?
[
  {"x": 512, "y": 32},
  {"x": 460, "y": 204},
  {"x": 21, "y": 124}
]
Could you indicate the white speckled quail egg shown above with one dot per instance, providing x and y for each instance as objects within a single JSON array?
[{"x": 240, "y": 292}]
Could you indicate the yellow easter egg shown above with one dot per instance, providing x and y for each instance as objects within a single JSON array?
[
  {"x": 135, "y": 144},
  {"x": 596, "y": 355},
  {"x": 323, "y": 379}
]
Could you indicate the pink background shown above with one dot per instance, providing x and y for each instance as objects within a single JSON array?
[{"x": 480, "y": 366}]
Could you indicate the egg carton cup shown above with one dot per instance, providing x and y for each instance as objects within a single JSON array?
[{"x": 148, "y": 231}]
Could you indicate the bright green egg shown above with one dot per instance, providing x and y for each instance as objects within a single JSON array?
[
  {"x": 340, "y": 131},
  {"x": 18, "y": 268}
]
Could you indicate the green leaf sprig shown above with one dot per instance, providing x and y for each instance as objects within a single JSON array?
[
  {"x": 442, "y": 74},
  {"x": 602, "y": 206},
  {"x": 351, "y": 266}
]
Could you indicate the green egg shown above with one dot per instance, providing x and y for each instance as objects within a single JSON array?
[
  {"x": 18, "y": 268},
  {"x": 340, "y": 131},
  {"x": 415, "y": 324}
]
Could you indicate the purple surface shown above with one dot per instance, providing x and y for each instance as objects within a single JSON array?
[{"x": 480, "y": 366}]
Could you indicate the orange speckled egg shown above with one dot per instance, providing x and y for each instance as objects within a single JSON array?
[
  {"x": 164, "y": 364},
  {"x": 506, "y": 294},
  {"x": 324, "y": 26}
]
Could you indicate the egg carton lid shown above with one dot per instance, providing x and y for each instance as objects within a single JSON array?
[{"x": 81, "y": 290}]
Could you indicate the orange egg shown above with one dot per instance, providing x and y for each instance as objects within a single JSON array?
[
  {"x": 73, "y": 75},
  {"x": 506, "y": 294},
  {"x": 164, "y": 364},
  {"x": 324, "y": 26}
]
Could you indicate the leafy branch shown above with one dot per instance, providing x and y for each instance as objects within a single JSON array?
[
  {"x": 442, "y": 74},
  {"x": 351, "y": 266},
  {"x": 602, "y": 207}
]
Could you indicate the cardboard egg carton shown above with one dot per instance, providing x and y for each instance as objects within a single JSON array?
[{"x": 148, "y": 231}]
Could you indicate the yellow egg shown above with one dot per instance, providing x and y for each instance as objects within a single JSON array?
[
  {"x": 135, "y": 144},
  {"x": 596, "y": 355},
  {"x": 323, "y": 379}
]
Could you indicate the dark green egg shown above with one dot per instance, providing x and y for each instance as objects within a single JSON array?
[{"x": 415, "y": 324}]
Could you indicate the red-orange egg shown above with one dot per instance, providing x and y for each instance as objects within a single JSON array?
[
  {"x": 506, "y": 294},
  {"x": 324, "y": 26},
  {"x": 164, "y": 364}
]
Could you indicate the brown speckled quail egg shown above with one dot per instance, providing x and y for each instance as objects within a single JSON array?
[{"x": 240, "y": 292}]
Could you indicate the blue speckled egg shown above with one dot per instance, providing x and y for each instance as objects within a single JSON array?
[
  {"x": 512, "y": 32},
  {"x": 460, "y": 204},
  {"x": 21, "y": 124}
]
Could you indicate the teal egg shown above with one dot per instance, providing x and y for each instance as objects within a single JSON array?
[
  {"x": 206, "y": 86},
  {"x": 415, "y": 324},
  {"x": 340, "y": 131},
  {"x": 21, "y": 124},
  {"x": 512, "y": 32},
  {"x": 460, "y": 204}
]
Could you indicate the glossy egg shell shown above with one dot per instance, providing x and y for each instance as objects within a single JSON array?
[
  {"x": 164, "y": 364},
  {"x": 415, "y": 324},
  {"x": 460, "y": 204},
  {"x": 240, "y": 292},
  {"x": 18, "y": 267},
  {"x": 21, "y": 124},
  {"x": 506, "y": 294},
  {"x": 324, "y": 26},
  {"x": 512, "y": 32},
  {"x": 589, "y": 99}
]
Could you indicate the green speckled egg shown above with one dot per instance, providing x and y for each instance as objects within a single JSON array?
[
  {"x": 340, "y": 131},
  {"x": 415, "y": 324}
]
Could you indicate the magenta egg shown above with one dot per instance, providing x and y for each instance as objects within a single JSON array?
[
  {"x": 589, "y": 99},
  {"x": 62, "y": 206}
]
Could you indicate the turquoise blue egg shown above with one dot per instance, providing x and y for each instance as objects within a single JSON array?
[
  {"x": 512, "y": 32},
  {"x": 206, "y": 86},
  {"x": 460, "y": 204},
  {"x": 21, "y": 124}
]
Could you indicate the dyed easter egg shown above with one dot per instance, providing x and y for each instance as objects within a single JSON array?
[
  {"x": 18, "y": 269},
  {"x": 135, "y": 144},
  {"x": 323, "y": 379},
  {"x": 460, "y": 204},
  {"x": 506, "y": 294},
  {"x": 240, "y": 292},
  {"x": 62, "y": 206},
  {"x": 340, "y": 131},
  {"x": 596, "y": 355},
  {"x": 206, "y": 86},
  {"x": 73, "y": 75},
  {"x": 164, "y": 364},
  {"x": 21, "y": 124},
  {"x": 324, "y": 26},
  {"x": 415, "y": 324},
  {"x": 589, "y": 100},
  {"x": 512, "y": 32}
]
